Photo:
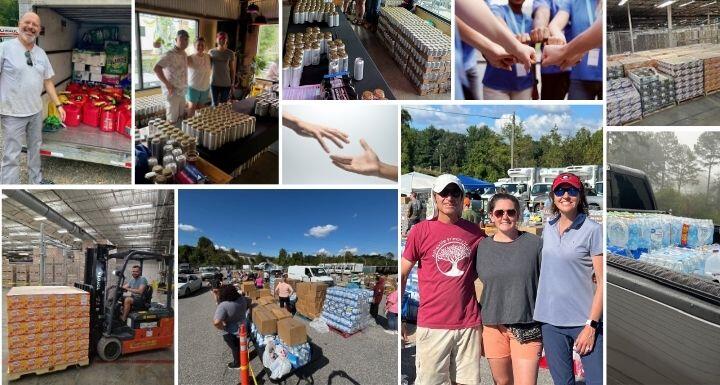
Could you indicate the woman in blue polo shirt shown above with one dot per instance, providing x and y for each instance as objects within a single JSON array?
[
  {"x": 569, "y": 304},
  {"x": 501, "y": 84},
  {"x": 586, "y": 77},
  {"x": 555, "y": 81}
]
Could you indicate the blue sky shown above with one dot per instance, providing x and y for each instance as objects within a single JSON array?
[
  {"x": 251, "y": 221},
  {"x": 538, "y": 120}
]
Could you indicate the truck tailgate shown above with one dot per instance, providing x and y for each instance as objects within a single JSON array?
[
  {"x": 88, "y": 144},
  {"x": 660, "y": 331}
]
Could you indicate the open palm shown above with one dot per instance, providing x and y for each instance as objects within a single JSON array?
[{"x": 366, "y": 163}]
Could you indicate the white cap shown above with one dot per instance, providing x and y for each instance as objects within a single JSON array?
[{"x": 440, "y": 183}]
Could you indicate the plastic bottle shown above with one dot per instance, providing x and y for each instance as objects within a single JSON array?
[{"x": 712, "y": 265}]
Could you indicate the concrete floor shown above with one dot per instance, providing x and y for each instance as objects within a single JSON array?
[
  {"x": 399, "y": 84},
  {"x": 64, "y": 171},
  {"x": 368, "y": 357},
  {"x": 704, "y": 111},
  {"x": 156, "y": 367}
]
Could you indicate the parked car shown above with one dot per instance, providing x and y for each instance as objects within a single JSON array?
[
  {"x": 208, "y": 272},
  {"x": 185, "y": 268},
  {"x": 188, "y": 284}
]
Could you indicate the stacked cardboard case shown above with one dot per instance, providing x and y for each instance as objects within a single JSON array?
[
  {"x": 48, "y": 328},
  {"x": 623, "y": 101},
  {"x": 687, "y": 73},
  {"x": 311, "y": 297},
  {"x": 711, "y": 69},
  {"x": 421, "y": 50},
  {"x": 656, "y": 91}
]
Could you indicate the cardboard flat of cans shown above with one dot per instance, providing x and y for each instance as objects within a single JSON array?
[{"x": 47, "y": 326}]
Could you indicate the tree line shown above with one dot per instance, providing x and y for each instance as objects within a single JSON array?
[
  {"x": 483, "y": 153},
  {"x": 205, "y": 253},
  {"x": 682, "y": 176}
]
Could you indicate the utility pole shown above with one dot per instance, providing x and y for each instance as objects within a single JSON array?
[{"x": 512, "y": 143}]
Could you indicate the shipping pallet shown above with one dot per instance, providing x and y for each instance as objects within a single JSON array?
[
  {"x": 691, "y": 99},
  {"x": 303, "y": 316},
  {"x": 708, "y": 93},
  {"x": 342, "y": 333},
  {"x": 629, "y": 122},
  {"x": 660, "y": 110},
  {"x": 41, "y": 371}
]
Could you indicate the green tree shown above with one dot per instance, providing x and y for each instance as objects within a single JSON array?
[
  {"x": 707, "y": 149},
  {"x": 9, "y": 13},
  {"x": 553, "y": 154}
]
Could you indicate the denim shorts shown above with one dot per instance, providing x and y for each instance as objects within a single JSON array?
[{"x": 196, "y": 96}]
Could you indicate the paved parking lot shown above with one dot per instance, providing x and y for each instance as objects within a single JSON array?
[{"x": 368, "y": 357}]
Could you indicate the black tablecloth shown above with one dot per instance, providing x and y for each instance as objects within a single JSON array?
[{"x": 372, "y": 78}]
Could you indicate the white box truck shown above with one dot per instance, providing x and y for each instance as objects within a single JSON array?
[{"x": 64, "y": 23}]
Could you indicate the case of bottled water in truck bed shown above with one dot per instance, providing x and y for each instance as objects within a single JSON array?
[{"x": 677, "y": 243}]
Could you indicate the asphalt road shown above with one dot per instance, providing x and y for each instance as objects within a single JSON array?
[{"x": 367, "y": 358}]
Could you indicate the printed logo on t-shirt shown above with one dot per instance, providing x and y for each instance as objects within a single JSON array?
[{"x": 450, "y": 254}]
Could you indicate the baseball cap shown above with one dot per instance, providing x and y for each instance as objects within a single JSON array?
[
  {"x": 440, "y": 183},
  {"x": 221, "y": 34},
  {"x": 182, "y": 32},
  {"x": 567, "y": 178}
]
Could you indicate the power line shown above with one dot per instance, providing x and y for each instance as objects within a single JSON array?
[{"x": 453, "y": 113}]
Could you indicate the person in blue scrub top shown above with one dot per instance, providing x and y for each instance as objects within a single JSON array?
[
  {"x": 517, "y": 84},
  {"x": 586, "y": 77},
  {"x": 555, "y": 82}
]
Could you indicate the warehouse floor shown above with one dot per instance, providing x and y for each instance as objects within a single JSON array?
[
  {"x": 703, "y": 111},
  {"x": 141, "y": 368},
  {"x": 367, "y": 357}
]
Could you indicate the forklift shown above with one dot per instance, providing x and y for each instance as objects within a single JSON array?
[{"x": 150, "y": 325}]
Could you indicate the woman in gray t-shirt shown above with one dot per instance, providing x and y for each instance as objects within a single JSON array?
[
  {"x": 508, "y": 264},
  {"x": 229, "y": 315},
  {"x": 223, "y": 70}
]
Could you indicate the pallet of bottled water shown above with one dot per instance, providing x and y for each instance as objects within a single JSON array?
[
  {"x": 702, "y": 261},
  {"x": 298, "y": 355},
  {"x": 631, "y": 234},
  {"x": 347, "y": 310},
  {"x": 614, "y": 70},
  {"x": 259, "y": 337}
]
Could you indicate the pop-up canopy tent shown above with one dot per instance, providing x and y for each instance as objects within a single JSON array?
[
  {"x": 415, "y": 181},
  {"x": 471, "y": 183}
]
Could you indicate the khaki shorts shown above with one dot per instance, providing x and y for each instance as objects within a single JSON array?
[
  {"x": 448, "y": 356},
  {"x": 498, "y": 342}
]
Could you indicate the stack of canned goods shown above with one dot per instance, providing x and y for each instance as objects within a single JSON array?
[
  {"x": 147, "y": 108},
  {"x": 311, "y": 11},
  {"x": 172, "y": 151},
  {"x": 213, "y": 127},
  {"x": 266, "y": 104},
  {"x": 305, "y": 49}
]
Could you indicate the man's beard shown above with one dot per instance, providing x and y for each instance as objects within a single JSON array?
[{"x": 27, "y": 37}]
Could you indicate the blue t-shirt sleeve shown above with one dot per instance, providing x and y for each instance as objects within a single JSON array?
[
  {"x": 144, "y": 281},
  {"x": 539, "y": 3},
  {"x": 596, "y": 241},
  {"x": 564, "y": 5},
  {"x": 497, "y": 11}
]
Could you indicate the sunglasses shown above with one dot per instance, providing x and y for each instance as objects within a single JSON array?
[
  {"x": 572, "y": 191},
  {"x": 455, "y": 193},
  {"x": 29, "y": 58},
  {"x": 510, "y": 213}
]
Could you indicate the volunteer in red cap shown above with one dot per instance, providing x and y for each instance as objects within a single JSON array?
[
  {"x": 448, "y": 336},
  {"x": 569, "y": 303},
  {"x": 223, "y": 70}
]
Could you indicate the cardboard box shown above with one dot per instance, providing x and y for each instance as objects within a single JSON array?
[
  {"x": 95, "y": 70},
  {"x": 78, "y": 66},
  {"x": 248, "y": 288},
  {"x": 264, "y": 320},
  {"x": 291, "y": 331},
  {"x": 278, "y": 312},
  {"x": 265, "y": 300},
  {"x": 263, "y": 293},
  {"x": 96, "y": 77}
]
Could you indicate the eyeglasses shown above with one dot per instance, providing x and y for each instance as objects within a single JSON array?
[
  {"x": 510, "y": 213},
  {"x": 29, "y": 58},
  {"x": 455, "y": 193},
  {"x": 572, "y": 191}
]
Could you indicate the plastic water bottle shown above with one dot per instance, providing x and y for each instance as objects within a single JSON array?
[
  {"x": 526, "y": 216},
  {"x": 634, "y": 235},
  {"x": 655, "y": 230},
  {"x": 617, "y": 231},
  {"x": 712, "y": 265}
]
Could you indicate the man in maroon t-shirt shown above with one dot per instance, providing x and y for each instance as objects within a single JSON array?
[{"x": 448, "y": 336}]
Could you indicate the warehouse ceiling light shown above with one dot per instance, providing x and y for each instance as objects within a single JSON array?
[
  {"x": 39, "y": 218},
  {"x": 688, "y": 3},
  {"x": 137, "y": 236},
  {"x": 665, "y": 4},
  {"x": 129, "y": 208},
  {"x": 62, "y": 231},
  {"x": 622, "y": 2},
  {"x": 708, "y": 4},
  {"x": 134, "y": 226},
  {"x": 18, "y": 234}
]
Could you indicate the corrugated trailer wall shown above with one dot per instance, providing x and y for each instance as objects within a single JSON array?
[{"x": 619, "y": 41}]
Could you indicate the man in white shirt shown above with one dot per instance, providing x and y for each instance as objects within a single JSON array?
[
  {"x": 25, "y": 71},
  {"x": 172, "y": 72}
]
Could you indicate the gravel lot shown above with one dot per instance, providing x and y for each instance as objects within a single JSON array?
[
  {"x": 408, "y": 366},
  {"x": 368, "y": 357},
  {"x": 63, "y": 171}
]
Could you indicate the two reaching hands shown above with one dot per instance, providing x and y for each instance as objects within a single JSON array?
[{"x": 367, "y": 163}]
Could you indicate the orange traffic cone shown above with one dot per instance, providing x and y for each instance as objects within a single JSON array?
[{"x": 244, "y": 356}]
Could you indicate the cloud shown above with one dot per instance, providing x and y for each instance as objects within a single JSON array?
[
  {"x": 554, "y": 108},
  {"x": 352, "y": 250},
  {"x": 394, "y": 228},
  {"x": 254, "y": 243},
  {"x": 321, "y": 231},
  {"x": 438, "y": 116},
  {"x": 222, "y": 248},
  {"x": 537, "y": 125},
  {"x": 374, "y": 253},
  {"x": 355, "y": 215},
  {"x": 322, "y": 251},
  {"x": 188, "y": 228}
]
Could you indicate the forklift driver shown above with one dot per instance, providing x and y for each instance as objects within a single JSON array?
[{"x": 136, "y": 286}]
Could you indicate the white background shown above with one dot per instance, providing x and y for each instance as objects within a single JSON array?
[{"x": 305, "y": 162}]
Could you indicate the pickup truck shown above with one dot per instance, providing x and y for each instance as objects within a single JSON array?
[{"x": 662, "y": 327}]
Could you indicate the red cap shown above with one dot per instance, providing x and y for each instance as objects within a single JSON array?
[
  {"x": 567, "y": 178},
  {"x": 221, "y": 34}
]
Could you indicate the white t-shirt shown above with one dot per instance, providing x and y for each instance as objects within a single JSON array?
[
  {"x": 199, "y": 70},
  {"x": 21, "y": 85},
  {"x": 174, "y": 65}
]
